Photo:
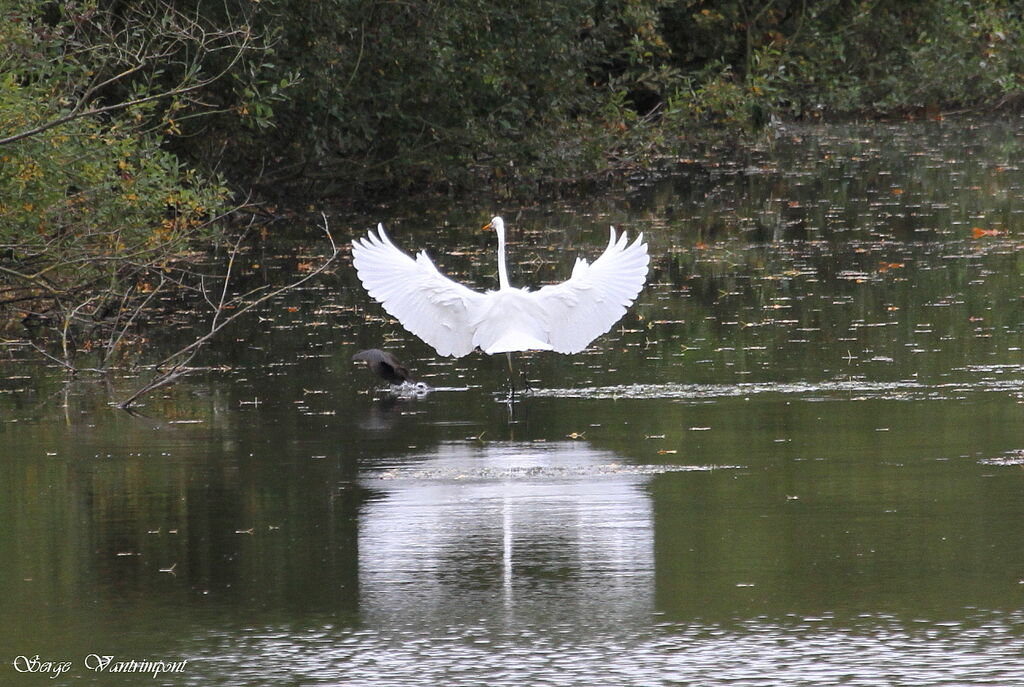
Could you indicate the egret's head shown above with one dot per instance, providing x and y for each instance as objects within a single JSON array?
[{"x": 497, "y": 224}]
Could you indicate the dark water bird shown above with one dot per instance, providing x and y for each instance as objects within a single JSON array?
[
  {"x": 385, "y": 365},
  {"x": 455, "y": 320}
]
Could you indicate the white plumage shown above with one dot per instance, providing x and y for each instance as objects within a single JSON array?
[{"x": 454, "y": 319}]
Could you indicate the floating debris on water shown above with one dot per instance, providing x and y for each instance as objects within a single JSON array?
[
  {"x": 813, "y": 391},
  {"x": 1009, "y": 458}
]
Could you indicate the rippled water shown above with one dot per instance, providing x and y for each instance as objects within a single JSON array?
[
  {"x": 797, "y": 461},
  {"x": 841, "y": 389},
  {"x": 512, "y": 563},
  {"x": 808, "y": 652}
]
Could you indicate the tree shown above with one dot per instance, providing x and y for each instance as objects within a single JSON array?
[{"x": 97, "y": 217}]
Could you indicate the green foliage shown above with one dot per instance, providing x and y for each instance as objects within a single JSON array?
[
  {"x": 418, "y": 93},
  {"x": 869, "y": 56},
  {"x": 358, "y": 97},
  {"x": 376, "y": 96},
  {"x": 892, "y": 56},
  {"x": 88, "y": 205}
]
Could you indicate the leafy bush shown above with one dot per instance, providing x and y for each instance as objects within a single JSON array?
[
  {"x": 89, "y": 205},
  {"x": 421, "y": 95},
  {"x": 359, "y": 97}
]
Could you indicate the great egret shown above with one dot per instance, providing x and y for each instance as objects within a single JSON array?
[
  {"x": 385, "y": 365},
  {"x": 455, "y": 320}
]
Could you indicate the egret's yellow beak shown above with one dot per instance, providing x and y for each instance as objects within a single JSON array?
[{"x": 485, "y": 227}]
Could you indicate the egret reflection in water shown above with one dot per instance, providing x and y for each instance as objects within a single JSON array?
[{"x": 470, "y": 524}]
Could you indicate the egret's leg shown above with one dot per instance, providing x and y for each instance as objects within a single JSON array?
[
  {"x": 526, "y": 381},
  {"x": 511, "y": 376}
]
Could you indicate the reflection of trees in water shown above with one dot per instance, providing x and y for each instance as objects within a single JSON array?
[{"x": 173, "y": 525}]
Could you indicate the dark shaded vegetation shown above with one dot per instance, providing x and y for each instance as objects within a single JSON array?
[
  {"x": 415, "y": 96},
  {"x": 125, "y": 126}
]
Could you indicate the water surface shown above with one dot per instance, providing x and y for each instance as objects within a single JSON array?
[{"x": 798, "y": 460}]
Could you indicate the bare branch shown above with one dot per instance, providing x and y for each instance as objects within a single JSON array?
[
  {"x": 172, "y": 375},
  {"x": 179, "y": 369},
  {"x": 240, "y": 40},
  {"x": 63, "y": 363},
  {"x": 113, "y": 343}
]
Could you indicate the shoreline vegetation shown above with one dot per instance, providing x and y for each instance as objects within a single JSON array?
[{"x": 141, "y": 143}]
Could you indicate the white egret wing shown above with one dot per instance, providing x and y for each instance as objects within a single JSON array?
[
  {"x": 596, "y": 296},
  {"x": 424, "y": 301}
]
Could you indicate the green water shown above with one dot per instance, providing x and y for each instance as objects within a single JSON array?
[{"x": 798, "y": 460}]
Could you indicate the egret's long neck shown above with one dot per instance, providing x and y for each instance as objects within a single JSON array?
[{"x": 502, "y": 270}]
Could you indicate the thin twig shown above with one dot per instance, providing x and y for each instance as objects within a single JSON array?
[
  {"x": 179, "y": 369},
  {"x": 63, "y": 363},
  {"x": 78, "y": 113},
  {"x": 164, "y": 378},
  {"x": 113, "y": 343}
]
